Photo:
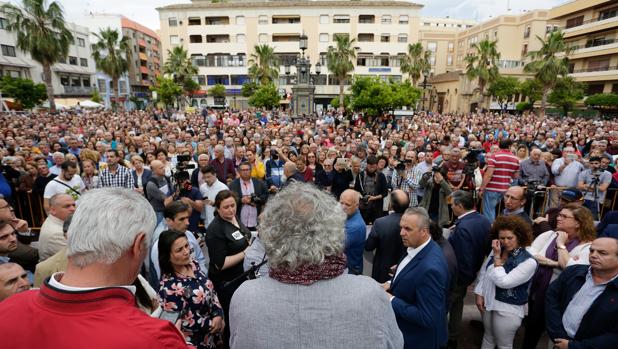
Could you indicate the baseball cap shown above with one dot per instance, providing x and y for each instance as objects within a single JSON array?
[{"x": 571, "y": 194}]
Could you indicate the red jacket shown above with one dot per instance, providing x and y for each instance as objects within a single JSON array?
[{"x": 105, "y": 318}]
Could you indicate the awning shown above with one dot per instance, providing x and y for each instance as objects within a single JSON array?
[
  {"x": 15, "y": 62},
  {"x": 67, "y": 68}
]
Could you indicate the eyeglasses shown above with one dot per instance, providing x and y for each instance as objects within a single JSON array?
[
  {"x": 510, "y": 197},
  {"x": 563, "y": 216}
]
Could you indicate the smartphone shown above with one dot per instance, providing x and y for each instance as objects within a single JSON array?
[{"x": 171, "y": 316}]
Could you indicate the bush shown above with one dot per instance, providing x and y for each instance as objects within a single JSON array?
[
  {"x": 602, "y": 100},
  {"x": 523, "y": 106}
]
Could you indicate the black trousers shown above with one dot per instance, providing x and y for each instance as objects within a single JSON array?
[{"x": 535, "y": 323}]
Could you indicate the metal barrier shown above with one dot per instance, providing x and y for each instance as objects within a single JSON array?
[{"x": 29, "y": 207}]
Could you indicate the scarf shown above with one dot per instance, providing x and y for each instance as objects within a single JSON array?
[
  {"x": 307, "y": 274},
  {"x": 542, "y": 277}
]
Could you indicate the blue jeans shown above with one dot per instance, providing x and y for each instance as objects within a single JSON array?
[{"x": 491, "y": 199}]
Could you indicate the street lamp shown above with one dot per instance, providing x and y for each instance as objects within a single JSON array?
[
  {"x": 303, "y": 91},
  {"x": 425, "y": 73}
]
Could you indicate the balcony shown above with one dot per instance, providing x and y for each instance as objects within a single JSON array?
[
  {"x": 593, "y": 49},
  {"x": 141, "y": 42},
  {"x": 77, "y": 90},
  {"x": 589, "y": 26},
  {"x": 603, "y": 73},
  {"x": 144, "y": 70}
]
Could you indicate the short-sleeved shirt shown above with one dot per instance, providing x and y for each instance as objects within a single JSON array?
[
  {"x": 588, "y": 179},
  {"x": 60, "y": 186},
  {"x": 505, "y": 165},
  {"x": 225, "y": 239}
]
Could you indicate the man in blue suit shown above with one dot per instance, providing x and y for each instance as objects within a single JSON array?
[
  {"x": 418, "y": 289},
  {"x": 470, "y": 241}
]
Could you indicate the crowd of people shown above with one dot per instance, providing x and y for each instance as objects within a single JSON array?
[{"x": 168, "y": 214}]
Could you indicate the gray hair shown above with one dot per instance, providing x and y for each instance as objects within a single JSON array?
[
  {"x": 463, "y": 198},
  {"x": 301, "y": 225},
  {"x": 421, "y": 213},
  {"x": 219, "y": 147},
  {"x": 105, "y": 225},
  {"x": 53, "y": 201}
]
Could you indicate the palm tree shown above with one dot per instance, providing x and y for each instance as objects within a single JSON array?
[
  {"x": 415, "y": 62},
  {"x": 483, "y": 64},
  {"x": 340, "y": 61},
  {"x": 264, "y": 64},
  {"x": 180, "y": 66},
  {"x": 545, "y": 64},
  {"x": 111, "y": 54},
  {"x": 41, "y": 31}
]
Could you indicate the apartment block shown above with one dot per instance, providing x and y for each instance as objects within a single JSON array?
[
  {"x": 220, "y": 38},
  {"x": 590, "y": 29}
]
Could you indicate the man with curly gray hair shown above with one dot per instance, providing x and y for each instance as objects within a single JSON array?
[{"x": 302, "y": 229}]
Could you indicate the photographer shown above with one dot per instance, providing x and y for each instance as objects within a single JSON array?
[
  {"x": 191, "y": 196},
  {"x": 407, "y": 178},
  {"x": 373, "y": 188},
  {"x": 253, "y": 194},
  {"x": 594, "y": 183},
  {"x": 437, "y": 191}
]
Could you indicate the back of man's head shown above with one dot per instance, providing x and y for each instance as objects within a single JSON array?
[
  {"x": 505, "y": 144},
  {"x": 464, "y": 199},
  {"x": 106, "y": 224},
  {"x": 399, "y": 201}
]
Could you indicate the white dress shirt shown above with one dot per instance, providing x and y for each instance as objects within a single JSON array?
[{"x": 412, "y": 252}]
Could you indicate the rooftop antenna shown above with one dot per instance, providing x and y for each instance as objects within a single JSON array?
[{"x": 508, "y": 5}]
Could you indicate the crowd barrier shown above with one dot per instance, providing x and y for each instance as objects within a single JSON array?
[{"x": 29, "y": 207}]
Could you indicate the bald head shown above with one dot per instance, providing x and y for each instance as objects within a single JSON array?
[
  {"x": 13, "y": 279},
  {"x": 604, "y": 257},
  {"x": 514, "y": 198},
  {"x": 349, "y": 200},
  {"x": 399, "y": 201},
  {"x": 289, "y": 169}
]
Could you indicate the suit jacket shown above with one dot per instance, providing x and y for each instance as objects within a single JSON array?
[
  {"x": 598, "y": 327},
  {"x": 385, "y": 240},
  {"x": 51, "y": 265},
  {"x": 470, "y": 240},
  {"x": 260, "y": 189},
  {"x": 420, "y": 299},
  {"x": 145, "y": 177}
]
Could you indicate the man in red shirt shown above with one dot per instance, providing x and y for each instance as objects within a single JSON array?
[
  {"x": 502, "y": 168},
  {"x": 93, "y": 304}
]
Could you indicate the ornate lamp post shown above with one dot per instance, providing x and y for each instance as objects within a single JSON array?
[
  {"x": 425, "y": 74},
  {"x": 303, "y": 91}
]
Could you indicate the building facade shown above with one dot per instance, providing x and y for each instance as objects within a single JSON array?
[
  {"x": 220, "y": 37},
  {"x": 590, "y": 29}
]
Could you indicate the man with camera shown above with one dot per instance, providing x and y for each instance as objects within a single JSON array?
[
  {"x": 407, "y": 177},
  {"x": 253, "y": 194},
  {"x": 373, "y": 188},
  {"x": 191, "y": 196},
  {"x": 594, "y": 183}
]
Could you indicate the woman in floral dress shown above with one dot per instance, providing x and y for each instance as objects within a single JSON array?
[{"x": 185, "y": 289}]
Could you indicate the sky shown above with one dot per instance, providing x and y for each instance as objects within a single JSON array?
[{"x": 143, "y": 11}]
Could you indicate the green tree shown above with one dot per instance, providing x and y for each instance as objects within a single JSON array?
[
  {"x": 167, "y": 90},
  {"x": 180, "y": 66},
  {"x": 264, "y": 67},
  {"x": 217, "y": 91},
  {"x": 25, "y": 92},
  {"x": 503, "y": 88},
  {"x": 41, "y": 31},
  {"x": 566, "y": 93},
  {"x": 415, "y": 62},
  {"x": 111, "y": 55},
  {"x": 96, "y": 97},
  {"x": 483, "y": 64},
  {"x": 602, "y": 100},
  {"x": 374, "y": 96},
  {"x": 346, "y": 102},
  {"x": 532, "y": 89},
  {"x": 249, "y": 88},
  {"x": 267, "y": 96},
  {"x": 546, "y": 66},
  {"x": 340, "y": 61}
]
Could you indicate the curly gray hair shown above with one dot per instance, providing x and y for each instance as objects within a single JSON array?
[{"x": 301, "y": 225}]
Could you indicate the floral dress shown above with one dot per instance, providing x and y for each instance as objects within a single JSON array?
[{"x": 197, "y": 310}]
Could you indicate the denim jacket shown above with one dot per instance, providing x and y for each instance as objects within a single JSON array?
[{"x": 517, "y": 295}]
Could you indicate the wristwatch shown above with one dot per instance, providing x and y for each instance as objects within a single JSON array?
[{"x": 561, "y": 247}]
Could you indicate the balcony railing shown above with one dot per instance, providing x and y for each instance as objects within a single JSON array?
[
  {"x": 593, "y": 44},
  {"x": 593, "y": 20},
  {"x": 595, "y": 69},
  {"x": 77, "y": 90}
]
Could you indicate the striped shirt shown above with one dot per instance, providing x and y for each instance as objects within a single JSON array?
[{"x": 506, "y": 166}]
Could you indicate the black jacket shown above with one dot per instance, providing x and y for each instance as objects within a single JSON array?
[
  {"x": 260, "y": 189},
  {"x": 385, "y": 240}
]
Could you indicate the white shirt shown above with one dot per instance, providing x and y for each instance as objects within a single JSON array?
[
  {"x": 412, "y": 252},
  {"x": 53, "y": 281},
  {"x": 577, "y": 256},
  {"x": 53, "y": 187},
  {"x": 490, "y": 277},
  {"x": 209, "y": 193}
]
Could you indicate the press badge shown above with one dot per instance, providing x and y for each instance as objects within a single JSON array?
[{"x": 237, "y": 235}]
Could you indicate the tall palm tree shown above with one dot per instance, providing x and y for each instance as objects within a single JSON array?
[
  {"x": 111, "y": 54},
  {"x": 340, "y": 61},
  {"x": 545, "y": 64},
  {"x": 41, "y": 31},
  {"x": 264, "y": 64},
  {"x": 415, "y": 62},
  {"x": 179, "y": 65},
  {"x": 483, "y": 64}
]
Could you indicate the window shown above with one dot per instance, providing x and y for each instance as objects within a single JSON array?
[
  {"x": 172, "y": 22},
  {"x": 76, "y": 82},
  {"x": 72, "y": 60},
  {"x": 218, "y": 79},
  {"x": 263, "y": 38},
  {"x": 575, "y": 22},
  {"x": 340, "y": 35},
  {"x": 195, "y": 39},
  {"x": 383, "y": 61},
  {"x": 365, "y": 37},
  {"x": 8, "y": 51},
  {"x": 593, "y": 89},
  {"x": 432, "y": 46},
  {"x": 527, "y": 32},
  {"x": 609, "y": 13},
  {"x": 367, "y": 19},
  {"x": 240, "y": 20},
  {"x": 403, "y": 19},
  {"x": 341, "y": 19},
  {"x": 263, "y": 19},
  {"x": 451, "y": 46},
  {"x": 432, "y": 60},
  {"x": 361, "y": 61},
  {"x": 12, "y": 73},
  {"x": 324, "y": 37},
  {"x": 239, "y": 79},
  {"x": 386, "y": 19},
  {"x": 83, "y": 62},
  {"x": 122, "y": 87},
  {"x": 385, "y": 38},
  {"x": 201, "y": 79},
  {"x": 524, "y": 50},
  {"x": 324, "y": 19},
  {"x": 86, "y": 82},
  {"x": 102, "y": 85},
  {"x": 194, "y": 21},
  {"x": 240, "y": 38},
  {"x": 449, "y": 60},
  {"x": 64, "y": 80},
  {"x": 495, "y": 34},
  {"x": 3, "y": 23},
  {"x": 81, "y": 42},
  {"x": 174, "y": 40},
  {"x": 285, "y": 19},
  {"x": 402, "y": 38}
]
